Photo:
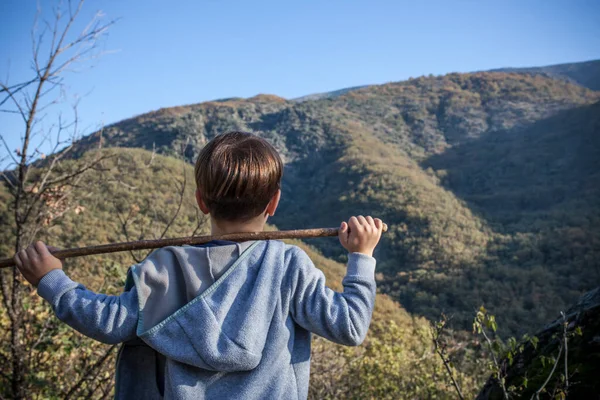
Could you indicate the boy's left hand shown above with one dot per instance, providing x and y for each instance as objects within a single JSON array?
[{"x": 36, "y": 261}]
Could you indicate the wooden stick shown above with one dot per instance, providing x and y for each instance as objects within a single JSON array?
[{"x": 189, "y": 240}]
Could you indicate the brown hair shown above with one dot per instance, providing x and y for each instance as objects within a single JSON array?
[{"x": 237, "y": 174}]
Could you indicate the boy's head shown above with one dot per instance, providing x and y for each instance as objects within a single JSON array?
[{"x": 237, "y": 176}]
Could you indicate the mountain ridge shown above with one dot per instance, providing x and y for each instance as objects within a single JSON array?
[
  {"x": 595, "y": 64},
  {"x": 584, "y": 73}
]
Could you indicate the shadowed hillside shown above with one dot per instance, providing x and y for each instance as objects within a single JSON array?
[
  {"x": 524, "y": 174},
  {"x": 538, "y": 189}
]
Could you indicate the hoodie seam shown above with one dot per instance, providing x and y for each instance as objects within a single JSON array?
[{"x": 201, "y": 296}]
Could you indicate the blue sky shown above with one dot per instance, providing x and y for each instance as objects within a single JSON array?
[{"x": 167, "y": 53}]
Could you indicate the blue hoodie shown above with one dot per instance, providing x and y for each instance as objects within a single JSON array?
[{"x": 231, "y": 321}]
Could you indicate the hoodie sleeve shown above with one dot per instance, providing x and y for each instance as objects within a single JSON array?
[
  {"x": 108, "y": 319},
  {"x": 343, "y": 317}
]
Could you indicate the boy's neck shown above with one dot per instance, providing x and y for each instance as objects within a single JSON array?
[{"x": 225, "y": 227}]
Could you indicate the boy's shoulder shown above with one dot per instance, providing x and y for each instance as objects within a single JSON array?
[
  {"x": 295, "y": 255},
  {"x": 291, "y": 253},
  {"x": 291, "y": 250}
]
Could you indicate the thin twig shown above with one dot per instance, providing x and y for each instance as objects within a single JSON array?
[
  {"x": 436, "y": 332},
  {"x": 86, "y": 374},
  {"x": 495, "y": 360},
  {"x": 565, "y": 345},
  {"x": 537, "y": 393}
]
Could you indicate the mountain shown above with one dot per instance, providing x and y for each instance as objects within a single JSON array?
[
  {"x": 585, "y": 73},
  {"x": 489, "y": 183},
  {"x": 487, "y": 180}
]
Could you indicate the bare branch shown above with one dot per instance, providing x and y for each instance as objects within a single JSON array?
[
  {"x": 124, "y": 223},
  {"x": 78, "y": 171},
  {"x": 566, "y": 347},
  {"x": 199, "y": 222},
  {"x": 496, "y": 364},
  {"x": 88, "y": 372},
  {"x": 15, "y": 89},
  {"x": 8, "y": 180},
  {"x": 11, "y": 95},
  {"x": 151, "y": 156},
  {"x": 10, "y": 111},
  {"x": 437, "y": 330},
  {"x": 8, "y": 149},
  {"x": 35, "y": 44},
  {"x": 181, "y": 195},
  {"x": 41, "y": 336},
  {"x": 6, "y": 298},
  {"x": 537, "y": 393}
]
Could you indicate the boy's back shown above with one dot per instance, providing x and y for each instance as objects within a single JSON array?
[
  {"x": 247, "y": 335},
  {"x": 224, "y": 320}
]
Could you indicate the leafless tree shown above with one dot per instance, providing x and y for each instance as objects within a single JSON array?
[
  {"x": 41, "y": 186},
  {"x": 149, "y": 228}
]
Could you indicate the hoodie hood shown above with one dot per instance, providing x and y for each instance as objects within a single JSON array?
[{"x": 209, "y": 307}]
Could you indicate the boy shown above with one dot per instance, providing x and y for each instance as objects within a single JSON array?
[{"x": 222, "y": 320}]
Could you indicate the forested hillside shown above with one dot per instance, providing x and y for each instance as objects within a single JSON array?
[
  {"x": 488, "y": 181},
  {"x": 136, "y": 194}
]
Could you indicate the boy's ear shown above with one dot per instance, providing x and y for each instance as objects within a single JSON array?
[
  {"x": 272, "y": 206},
  {"x": 200, "y": 202}
]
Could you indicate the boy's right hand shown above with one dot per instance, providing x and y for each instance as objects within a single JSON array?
[
  {"x": 36, "y": 261},
  {"x": 360, "y": 234}
]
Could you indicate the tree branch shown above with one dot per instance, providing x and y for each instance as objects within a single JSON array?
[
  {"x": 495, "y": 360},
  {"x": 437, "y": 330},
  {"x": 75, "y": 388},
  {"x": 537, "y": 393}
]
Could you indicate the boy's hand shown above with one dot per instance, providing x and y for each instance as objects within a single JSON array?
[
  {"x": 360, "y": 234},
  {"x": 36, "y": 261}
]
